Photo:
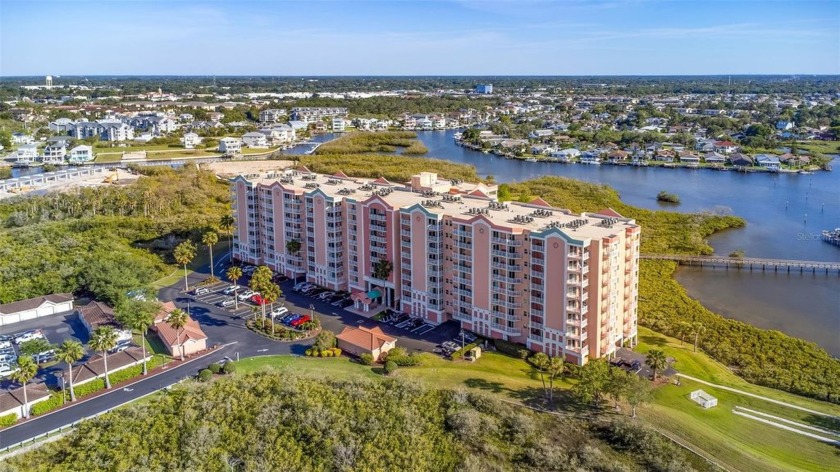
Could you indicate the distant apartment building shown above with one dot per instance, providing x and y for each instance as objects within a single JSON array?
[
  {"x": 555, "y": 281},
  {"x": 313, "y": 114},
  {"x": 484, "y": 88},
  {"x": 230, "y": 145},
  {"x": 338, "y": 125},
  {"x": 106, "y": 130},
  {"x": 54, "y": 153}
]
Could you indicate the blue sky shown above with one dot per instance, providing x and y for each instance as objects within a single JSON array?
[{"x": 402, "y": 37}]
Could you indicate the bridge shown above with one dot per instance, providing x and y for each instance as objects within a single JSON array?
[{"x": 749, "y": 263}]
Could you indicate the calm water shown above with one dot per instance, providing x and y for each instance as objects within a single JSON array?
[{"x": 785, "y": 214}]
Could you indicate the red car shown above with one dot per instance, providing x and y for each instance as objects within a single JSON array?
[
  {"x": 258, "y": 299},
  {"x": 303, "y": 319}
]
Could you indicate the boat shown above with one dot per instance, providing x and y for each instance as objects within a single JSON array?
[
  {"x": 531, "y": 159},
  {"x": 805, "y": 172}
]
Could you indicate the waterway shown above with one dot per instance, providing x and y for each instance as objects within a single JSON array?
[{"x": 784, "y": 212}]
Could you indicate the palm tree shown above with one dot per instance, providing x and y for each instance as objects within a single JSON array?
[
  {"x": 270, "y": 295},
  {"x": 234, "y": 273},
  {"x": 209, "y": 239},
  {"x": 551, "y": 367},
  {"x": 27, "y": 368},
  {"x": 70, "y": 351},
  {"x": 656, "y": 361},
  {"x": 103, "y": 339},
  {"x": 184, "y": 254},
  {"x": 141, "y": 319},
  {"x": 261, "y": 282},
  {"x": 683, "y": 328},
  {"x": 178, "y": 319},
  {"x": 226, "y": 224},
  {"x": 382, "y": 269}
]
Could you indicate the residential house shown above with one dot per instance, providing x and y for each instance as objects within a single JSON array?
[
  {"x": 36, "y": 307},
  {"x": 98, "y": 314},
  {"x": 215, "y": 116},
  {"x": 189, "y": 339},
  {"x": 784, "y": 125},
  {"x": 298, "y": 125},
  {"x": 313, "y": 114},
  {"x": 689, "y": 157},
  {"x": 541, "y": 133},
  {"x": 591, "y": 157},
  {"x": 272, "y": 115},
  {"x": 81, "y": 153},
  {"x": 665, "y": 155},
  {"x": 229, "y": 145},
  {"x": 191, "y": 140},
  {"x": 740, "y": 160},
  {"x": 361, "y": 340},
  {"x": 54, "y": 154},
  {"x": 20, "y": 138},
  {"x": 714, "y": 158},
  {"x": 255, "y": 140},
  {"x": 618, "y": 156},
  {"x": 726, "y": 147},
  {"x": 27, "y": 154},
  {"x": 338, "y": 125},
  {"x": 12, "y": 402},
  {"x": 61, "y": 125},
  {"x": 543, "y": 149},
  {"x": 768, "y": 162}
]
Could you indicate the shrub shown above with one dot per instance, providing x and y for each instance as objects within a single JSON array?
[
  {"x": 8, "y": 420},
  {"x": 366, "y": 358},
  {"x": 405, "y": 361},
  {"x": 205, "y": 375},
  {"x": 390, "y": 367},
  {"x": 336, "y": 352},
  {"x": 54, "y": 402},
  {"x": 89, "y": 387},
  {"x": 512, "y": 349},
  {"x": 396, "y": 352},
  {"x": 229, "y": 368},
  {"x": 664, "y": 196},
  {"x": 308, "y": 352},
  {"x": 324, "y": 340},
  {"x": 215, "y": 368}
]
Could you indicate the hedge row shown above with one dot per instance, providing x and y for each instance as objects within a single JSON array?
[
  {"x": 332, "y": 352},
  {"x": 8, "y": 420},
  {"x": 512, "y": 349},
  {"x": 54, "y": 402}
]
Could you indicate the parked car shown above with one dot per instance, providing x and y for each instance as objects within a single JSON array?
[
  {"x": 303, "y": 319},
  {"x": 226, "y": 302},
  {"x": 7, "y": 369},
  {"x": 231, "y": 289},
  {"x": 45, "y": 356},
  {"x": 246, "y": 295},
  {"x": 8, "y": 358},
  {"x": 325, "y": 295},
  {"x": 201, "y": 291},
  {"x": 280, "y": 311},
  {"x": 121, "y": 346},
  {"x": 258, "y": 299},
  {"x": 5, "y": 344},
  {"x": 28, "y": 336},
  {"x": 289, "y": 319}
]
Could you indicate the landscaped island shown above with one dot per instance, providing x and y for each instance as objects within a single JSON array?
[{"x": 405, "y": 142}]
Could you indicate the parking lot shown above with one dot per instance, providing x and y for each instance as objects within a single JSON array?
[{"x": 55, "y": 329}]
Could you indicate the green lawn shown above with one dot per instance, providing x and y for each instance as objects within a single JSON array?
[
  {"x": 738, "y": 442},
  {"x": 822, "y": 147},
  {"x": 108, "y": 158}
]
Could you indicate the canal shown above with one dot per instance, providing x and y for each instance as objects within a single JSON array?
[{"x": 784, "y": 212}]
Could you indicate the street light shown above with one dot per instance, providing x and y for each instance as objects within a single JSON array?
[{"x": 63, "y": 391}]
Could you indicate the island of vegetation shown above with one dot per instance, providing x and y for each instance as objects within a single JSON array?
[
  {"x": 403, "y": 142},
  {"x": 667, "y": 197}
]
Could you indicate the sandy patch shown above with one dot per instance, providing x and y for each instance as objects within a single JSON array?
[{"x": 247, "y": 167}]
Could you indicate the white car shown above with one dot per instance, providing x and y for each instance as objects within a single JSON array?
[
  {"x": 7, "y": 369},
  {"x": 227, "y": 303},
  {"x": 201, "y": 291},
  {"x": 28, "y": 336},
  {"x": 281, "y": 311},
  {"x": 231, "y": 289},
  {"x": 5, "y": 344},
  {"x": 246, "y": 295}
]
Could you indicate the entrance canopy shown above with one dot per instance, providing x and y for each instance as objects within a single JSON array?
[{"x": 373, "y": 294}]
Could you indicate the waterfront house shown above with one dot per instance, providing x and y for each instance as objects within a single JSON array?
[
  {"x": 665, "y": 155},
  {"x": 543, "y": 149},
  {"x": 566, "y": 155},
  {"x": 54, "y": 154},
  {"x": 591, "y": 157},
  {"x": 338, "y": 125},
  {"x": 27, "y": 154},
  {"x": 191, "y": 140},
  {"x": 768, "y": 162},
  {"x": 298, "y": 125},
  {"x": 618, "y": 156},
  {"x": 20, "y": 138},
  {"x": 230, "y": 145},
  {"x": 689, "y": 157},
  {"x": 80, "y": 153},
  {"x": 740, "y": 160},
  {"x": 255, "y": 140},
  {"x": 714, "y": 158}
]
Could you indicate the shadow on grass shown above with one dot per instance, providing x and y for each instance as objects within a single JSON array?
[
  {"x": 482, "y": 384},
  {"x": 654, "y": 340},
  {"x": 830, "y": 423}
]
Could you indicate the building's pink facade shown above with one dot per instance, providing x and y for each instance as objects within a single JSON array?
[{"x": 555, "y": 281}]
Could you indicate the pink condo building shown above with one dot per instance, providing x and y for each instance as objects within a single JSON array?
[{"x": 555, "y": 281}]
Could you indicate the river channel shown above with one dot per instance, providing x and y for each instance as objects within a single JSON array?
[{"x": 784, "y": 212}]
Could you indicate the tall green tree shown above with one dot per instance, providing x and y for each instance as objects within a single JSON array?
[
  {"x": 382, "y": 269},
  {"x": 593, "y": 379},
  {"x": 234, "y": 273},
  {"x": 184, "y": 254},
  {"x": 209, "y": 239},
  {"x": 69, "y": 352},
  {"x": 26, "y": 369},
  {"x": 35, "y": 346},
  {"x": 616, "y": 386},
  {"x": 270, "y": 294},
  {"x": 178, "y": 319},
  {"x": 697, "y": 329},
  {"x": 657, "y": 361},
  {"x": 103, "y": 339},
  {"x": 139, "y": 316},
  {"x": 226, "y": 224},
  {"x": 549, "y": 368},
  {"x": 637, "y": 391}
]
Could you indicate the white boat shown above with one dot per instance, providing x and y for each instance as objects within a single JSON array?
[{"x": 531, "y": 159}]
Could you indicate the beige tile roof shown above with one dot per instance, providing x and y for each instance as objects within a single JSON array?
[
  {"x": 368, "y": 339},
  {"x": 14, "y": 398}
]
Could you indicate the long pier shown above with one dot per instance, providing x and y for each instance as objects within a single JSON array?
[{"x": 749, "y": 263}]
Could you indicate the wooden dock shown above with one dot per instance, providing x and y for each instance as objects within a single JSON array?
[{"x": 750, "y": 263}]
